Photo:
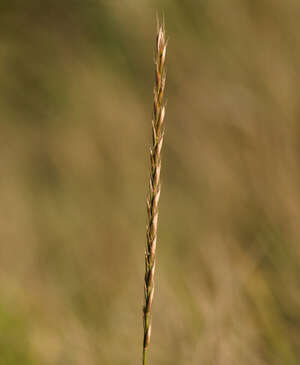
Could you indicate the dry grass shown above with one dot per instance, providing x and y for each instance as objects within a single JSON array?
[
  {"x": 74, "y": 108},
  {"x": 154, "y": 188}
]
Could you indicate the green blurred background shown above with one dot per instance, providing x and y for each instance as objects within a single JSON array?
[{"x": 76, "y": 81}]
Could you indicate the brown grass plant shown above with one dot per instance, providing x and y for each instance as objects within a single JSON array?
[{"x": 155, "y": 180}]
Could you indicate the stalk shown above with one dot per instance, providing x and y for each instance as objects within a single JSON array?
[{"x": 155, "y": 181}]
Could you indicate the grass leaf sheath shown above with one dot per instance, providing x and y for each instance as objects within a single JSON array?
[{"x": 155, "y": 185}]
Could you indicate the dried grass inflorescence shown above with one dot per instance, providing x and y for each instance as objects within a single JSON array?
[{"x": 154, "y": 189}]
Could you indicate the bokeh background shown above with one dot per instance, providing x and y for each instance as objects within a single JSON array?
[{"x": 76, "y": 81}]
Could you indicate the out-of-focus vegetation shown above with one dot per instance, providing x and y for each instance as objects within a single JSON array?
[{"x": 75, "y": 112}]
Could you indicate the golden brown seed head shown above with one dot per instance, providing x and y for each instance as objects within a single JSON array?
[{"x": 158, "y": 121}]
